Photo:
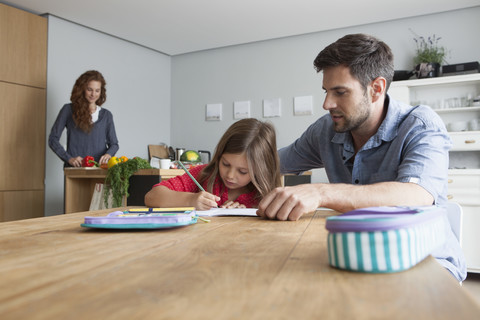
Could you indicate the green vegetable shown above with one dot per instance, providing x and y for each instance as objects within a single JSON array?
[{"x": 118, "y": 177}]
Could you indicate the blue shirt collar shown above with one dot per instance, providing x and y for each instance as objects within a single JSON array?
[{"x": 387, "y": 131}]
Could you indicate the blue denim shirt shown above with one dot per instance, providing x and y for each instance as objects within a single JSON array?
[{"x": 411, "y": 145}]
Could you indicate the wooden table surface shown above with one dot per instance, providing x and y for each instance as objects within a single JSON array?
[{"x": 230, "y": 268}]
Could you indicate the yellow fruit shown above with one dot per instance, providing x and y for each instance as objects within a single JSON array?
[
  {"x": 113, "y": 161},
  {"x": 190, "y": 156}
]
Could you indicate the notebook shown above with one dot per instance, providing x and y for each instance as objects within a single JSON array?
[{"x": 216, "y": 212}]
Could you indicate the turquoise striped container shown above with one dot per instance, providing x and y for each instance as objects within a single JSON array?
[{"x": 384, "y": 239}]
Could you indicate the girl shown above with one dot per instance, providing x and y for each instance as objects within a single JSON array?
[
  {"x": 90, "y": 128},
  {"x": 244, "y": 168}
]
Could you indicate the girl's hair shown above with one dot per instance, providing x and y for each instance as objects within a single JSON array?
[
  {"x": 257, "y": 140},
  {"x": 81, "y": 113}
]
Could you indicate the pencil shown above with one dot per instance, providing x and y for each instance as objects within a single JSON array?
[{"x": 191, "y": 177}]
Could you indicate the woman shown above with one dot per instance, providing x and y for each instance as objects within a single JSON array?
[{"x": 90, "y": 128}]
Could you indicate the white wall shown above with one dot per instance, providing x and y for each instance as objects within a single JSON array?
[
  {"x": 283, "y": 68},
  {"x": 138, "y": 92}
]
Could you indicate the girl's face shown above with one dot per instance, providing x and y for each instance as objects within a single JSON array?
[
  {"x": 234, "y": 170},
  {"x": 93, "y": 90}
]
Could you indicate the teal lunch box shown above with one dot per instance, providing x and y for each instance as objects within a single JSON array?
[{"x": 384, "y": 239}]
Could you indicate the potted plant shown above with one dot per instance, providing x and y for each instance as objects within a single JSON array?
[{"x": 429, "y": 56}]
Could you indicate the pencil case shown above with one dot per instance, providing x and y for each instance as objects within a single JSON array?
[
  {"x": 384, "y": 239},
  {"x": 144, "y": 218}
]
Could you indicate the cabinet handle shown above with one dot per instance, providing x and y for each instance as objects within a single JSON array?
[
  {"x": 470, "y": 141},
  {"x": 449, "y": 196}
]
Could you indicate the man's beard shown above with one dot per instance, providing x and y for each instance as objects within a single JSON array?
[{"x": 354, "y": 122}]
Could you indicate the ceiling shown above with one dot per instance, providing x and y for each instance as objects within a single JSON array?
[{"x": 180, "y": 26}]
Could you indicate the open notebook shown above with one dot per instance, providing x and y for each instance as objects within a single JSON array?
[{"x": 227, "y": 212}]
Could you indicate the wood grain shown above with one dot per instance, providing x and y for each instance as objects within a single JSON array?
[
  {"x": 23, "y": 47},
  {"x": 23, "y": 81},
  {"x": 232, "y": 267},
  {"x": 16, "y": 205},
  {"x": 22, "y": 118},
  {"x": 80, "y": 184}
]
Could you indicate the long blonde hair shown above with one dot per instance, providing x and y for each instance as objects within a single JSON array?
[{"x": 257, "y": 140}]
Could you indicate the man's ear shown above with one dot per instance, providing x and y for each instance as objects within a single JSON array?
[{"x": 378, "y": 88}]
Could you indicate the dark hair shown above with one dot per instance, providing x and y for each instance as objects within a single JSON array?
[
  {"x": 257, "y": 140},
  {"x": 367, "y": 58},
  {"x": 81, "y": 113}
]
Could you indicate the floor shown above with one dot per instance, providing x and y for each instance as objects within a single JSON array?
[{"x": 472, "y": 285}]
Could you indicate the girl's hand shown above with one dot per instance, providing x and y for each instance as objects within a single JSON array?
[
  {"x": 205, "y": 201},
  {"x": 232, "y": 204}
]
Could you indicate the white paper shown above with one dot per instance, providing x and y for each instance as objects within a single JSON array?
[
  {"x": 303, "y": 106},
  {"x": 214, "y": 112},
  {"x": 241, "y": 109},
  {"x": 272, "y": 108},
  {"x": 228, "y": 212}
]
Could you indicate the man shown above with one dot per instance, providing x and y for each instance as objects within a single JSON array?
[{"x": 376, "y": 151}]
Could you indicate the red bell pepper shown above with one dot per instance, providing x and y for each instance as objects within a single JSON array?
[{"x": 89, "y": 161}]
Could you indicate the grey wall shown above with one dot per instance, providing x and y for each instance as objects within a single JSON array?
[
  {"x": 283, "y": 69},
  {"x": 138, "y": 92}
]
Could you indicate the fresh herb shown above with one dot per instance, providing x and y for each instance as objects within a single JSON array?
[
  {"x": 428, "y": 49},
  {"x": 117, "y": 179}
]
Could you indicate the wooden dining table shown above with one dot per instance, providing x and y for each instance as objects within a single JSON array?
[{"x": 228, "y": 268}]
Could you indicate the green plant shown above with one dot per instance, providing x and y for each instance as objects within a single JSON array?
[
  {"x": 117, "y": 179},
  {"x": 429, "y": 50}
]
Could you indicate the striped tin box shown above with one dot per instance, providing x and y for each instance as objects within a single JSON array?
[{"x": 384, "y": 239}]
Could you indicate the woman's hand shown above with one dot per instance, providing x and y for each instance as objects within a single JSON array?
[
  {"x": 75, "y": 162},
  {"x": 232, "y": 204},
  {"x": 205, "y": 201},
  {"x": 104, "y": 158}
]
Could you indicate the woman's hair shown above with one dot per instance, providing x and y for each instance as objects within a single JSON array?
[
  {"x": 365, "y": 56},
  {"x": 257, "y": 140},
  {"x": 81, "y": 113}
]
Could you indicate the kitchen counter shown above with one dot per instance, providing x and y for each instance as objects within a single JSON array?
[{"x": 80, "y": 184}]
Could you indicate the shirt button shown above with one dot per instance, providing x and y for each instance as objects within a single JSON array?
[{"x": 356, "y": 181}]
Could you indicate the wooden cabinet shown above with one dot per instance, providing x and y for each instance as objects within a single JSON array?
[
  {"x": 452, "y": 98},
  {"x": 22, "y": 142},
  {"x": 23, "y": 47},
  {"x": 23, "y": 65}
]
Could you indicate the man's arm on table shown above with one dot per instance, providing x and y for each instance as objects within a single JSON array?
[{"x": 290, "y": 203}]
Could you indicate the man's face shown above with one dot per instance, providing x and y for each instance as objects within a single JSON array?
[{"x": 346, "y": 100}]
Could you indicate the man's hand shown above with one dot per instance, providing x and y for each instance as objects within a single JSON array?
[
  {"x": 289, "y": 203},
  {"x": 292, "y": 202}
]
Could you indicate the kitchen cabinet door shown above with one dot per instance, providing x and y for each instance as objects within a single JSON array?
[{"x": 22, "y": 137}]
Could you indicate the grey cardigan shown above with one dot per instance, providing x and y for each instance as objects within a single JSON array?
[{"x": 100, "y": 140}]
